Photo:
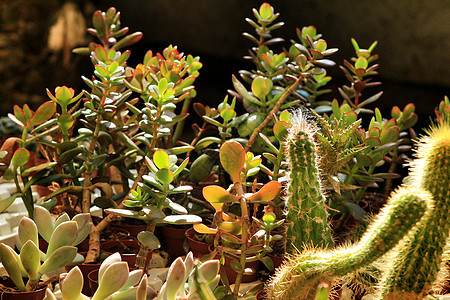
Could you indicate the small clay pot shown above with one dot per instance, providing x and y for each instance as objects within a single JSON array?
[
  {"x": 38, "y": 294},
  {"x": 232, "y": 274},
  {"x": 85, "y": 270},
  {"x": 197, "y": 247},
  {"x": 128, "y": 250},
  {"x": 173, "y": 239}
]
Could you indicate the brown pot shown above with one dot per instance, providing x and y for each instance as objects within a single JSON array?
[
  {"x": 128, "y": 250},
  {"x": 85, "y": 270},
  {"x": 111, "y": 233},
  {"x": 93, "y": 280},
  {"x": 197, "y": 247},
  {"x": 276, "y": 259},
  {"x": 232, "y": 274},
  {"x": 38, "y": 294},
  {"x": 133, "y": 229},
  {"x": 174, "y": 239},
  {"x": 261, "y": 295}
]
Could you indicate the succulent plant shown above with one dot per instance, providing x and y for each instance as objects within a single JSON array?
[
  {"x": 235, "y": 229},
  {"x": 301, "y": 275},
  {"x": 115, "y": 281},
  {"x": 414, "y": 270},
  {"x": 61, "y": 235},
  {"x": 306, "y": 215},
  {"x": 190, "y": 279}
]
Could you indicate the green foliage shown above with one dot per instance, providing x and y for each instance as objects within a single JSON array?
[
  {"x": 201, "y": 278},
  {"x": 300, "y": 276},
  {"x": 31, "y": 262},
  {"x": 232, "y": 221}
]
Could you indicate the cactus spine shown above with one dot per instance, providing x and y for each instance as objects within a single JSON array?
[
  {"x": 419, "y": 258},
  {"x": 299, "y": 277},
  {"x": 306, "y": 215}
]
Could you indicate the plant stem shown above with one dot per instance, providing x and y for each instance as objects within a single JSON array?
[
  {"x": 272, "y": 113},
  {"x": 245, "y": 226}
]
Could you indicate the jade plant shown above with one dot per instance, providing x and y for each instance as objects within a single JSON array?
[
  {"x": 62, "y": 236},
  {"x": 90, "y": 141},
  {"x": 190, "y": 279},
  {"x": 115, "y": 281},
  {"x": 151, "y": 202},
  {"x": 239, "y": 235}
]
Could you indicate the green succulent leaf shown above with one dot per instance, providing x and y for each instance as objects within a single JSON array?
[
  {"x": 20, "y": 157},
  {"x": 72, "y": 284},
  {"x": 64, "y": 234},
  {"x": 148, "y": 239},
  {"x": 61, "y": 257},
  {"x": 31, "y": 259}
]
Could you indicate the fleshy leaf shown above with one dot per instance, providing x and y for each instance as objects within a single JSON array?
[
  {"x": 27, "y": 231},
  {"x": 44, "y": 222},
  {"x": 31, "y": 259},
  {"x": 61, "y": 257},
  {"x": 43, "y": 113},
  {"x": 217, "y": 194},
  {"x": 268, "y": 192},
  {"x": 114, "y": 277},
  {"x": 202, "y": 228},
  {"x": 10, "y": 262},
  {"x": 72, "y": 284},
  {"x": 161, "y": 159},
  {"x": 175, "y": 278},
  {"x": 20, "y": 157},
  {"x": 64, "y": 234},
  {"x": 232, "y": 157}
]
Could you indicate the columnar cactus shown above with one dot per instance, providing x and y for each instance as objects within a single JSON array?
[
  {"x": 306, "y": 216},
  {"x": 300, "y": 276},
  {"x": 418, "y": 261}
]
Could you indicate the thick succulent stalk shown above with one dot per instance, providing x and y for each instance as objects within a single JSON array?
[
  {"x": 306, "y": 215},
  {"x": 300, "y": 276},
  {"x": 419, "y": 259}
]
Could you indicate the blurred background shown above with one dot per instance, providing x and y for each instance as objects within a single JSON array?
[{"x": 36, "y": 38}]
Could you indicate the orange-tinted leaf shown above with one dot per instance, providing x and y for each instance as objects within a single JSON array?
[
  {"x": 268, "y": 192},
  {"x": 232, "y": 157},
  {"x": 202, "y": 228},
  {"x": 217, "y": 194}
]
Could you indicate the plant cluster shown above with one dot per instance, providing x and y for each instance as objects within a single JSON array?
[{"x": 267, "y": 171}]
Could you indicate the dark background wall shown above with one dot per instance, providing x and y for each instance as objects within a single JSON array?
[{"x": 413, "y": 35}]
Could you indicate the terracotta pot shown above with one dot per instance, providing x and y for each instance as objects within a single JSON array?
[
  {"x": 38, "y": 294},
  {"x": 93, "y": 280},
  {"x": 277, "y": 259},
  {"x": 197, "y": 247},
  {"x": 231, "y": 274},
  {"x": 128, "y": 250},
  {"x": 133, "y": 229},
  {"x": 261, "y": 295},
  {"x": 85, "y": 270},
  {"x": 174, "y": 239},
  {"x": 111, "y": 233}
]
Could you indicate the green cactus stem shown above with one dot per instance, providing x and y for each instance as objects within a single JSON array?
[
  {"x": 306, "y": 215},
  {"x": 417, "y": 264},
  {"x": 300, "y": 276}
]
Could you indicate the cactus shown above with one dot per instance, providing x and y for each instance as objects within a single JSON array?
[
  {"x": 300, "y": 276},
  {"x": 306, "y": 215},
  {"x": 419, "y": 259}
]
